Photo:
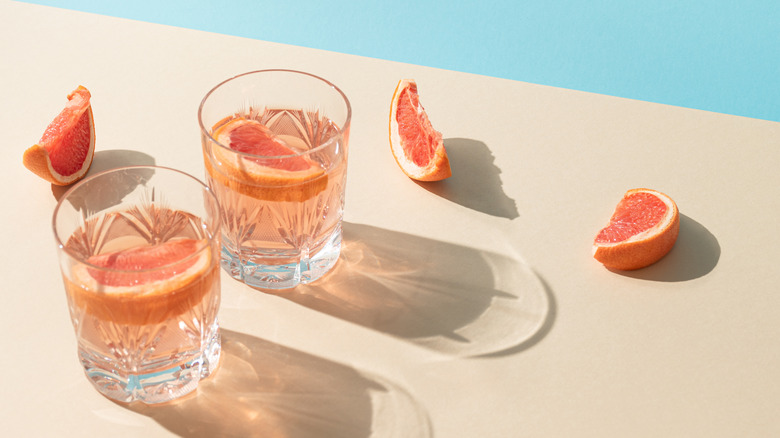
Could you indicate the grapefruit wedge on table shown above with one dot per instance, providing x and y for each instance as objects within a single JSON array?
[
  {"x": 641, "y": 231},
  {"x": 417, "y": 147},
  {"x": 261, "y": 165},
  {"x": 65, "y": 152},
  {"x": 144, "y": 284}
]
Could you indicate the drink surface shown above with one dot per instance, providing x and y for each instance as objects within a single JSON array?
[{"x": 284, "y": 209}]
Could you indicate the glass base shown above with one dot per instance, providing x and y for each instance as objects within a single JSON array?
[
  {"x": 248, "y": 267},
  {"x": 155, "y": 387}
]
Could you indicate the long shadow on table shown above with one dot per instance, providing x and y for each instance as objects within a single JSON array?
[
  {"x": 694, "y": 255},
  {"x": 449, "y": 298},
  {"x": 263, "y": 389},
  {"x": 475, "y": 182}
]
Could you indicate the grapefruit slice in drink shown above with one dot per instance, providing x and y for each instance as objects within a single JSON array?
[
  {"x": 261, "y": 165},
  {"x": 416, "y": 146},
  {"x": 65, "y": 151},
  {"x": 642, "y": 229},
  {"x": 145, "y": 284}
]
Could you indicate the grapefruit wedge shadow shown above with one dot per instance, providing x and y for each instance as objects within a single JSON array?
[
  {"x": 476, "y": 180},
  {"x": 694, "y": 255}
]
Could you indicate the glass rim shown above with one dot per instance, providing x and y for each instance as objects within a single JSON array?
[
  {"x": 326, "y": 82},
  {"x": 58, "y": 240}
]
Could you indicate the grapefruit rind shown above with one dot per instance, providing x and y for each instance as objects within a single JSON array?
[
  {"x": 244, "y": 174},
  {"x": 644, "y": 248},
  {"x": 36, "y": 158},
  {"x": 438, "y": 167}
]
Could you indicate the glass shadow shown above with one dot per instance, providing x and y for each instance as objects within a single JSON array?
[
  {"x": 263, "y": 389},
  {"x": 449, "y": 298},
  {"x": 107, "y": 160}
]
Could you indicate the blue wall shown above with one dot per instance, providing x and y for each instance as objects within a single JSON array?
[{"x": 721, "y": 56}]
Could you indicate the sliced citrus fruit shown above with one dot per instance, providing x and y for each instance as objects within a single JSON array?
[
  {"x": 144, "y": 265},
  {"x": 642, "y": 230},
  {"x": 262, "y": 165},
  {"x": 65, "y": 152},
  {"x": 417, "y": 147},
  {"x": 144, "y": 284}
]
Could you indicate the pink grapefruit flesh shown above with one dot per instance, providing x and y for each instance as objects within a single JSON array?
[{"x": 634, "y": 214}]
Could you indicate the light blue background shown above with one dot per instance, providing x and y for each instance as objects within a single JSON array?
[{"x": 721, "y": 56}]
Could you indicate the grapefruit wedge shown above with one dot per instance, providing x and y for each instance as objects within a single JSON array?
[
  {"x": 416, "y": 146},
  {"x": 261, "y": 165},
  {"x": 146, "y": 284},
  {"x": 641, "y": 231},
  {"x": 65, "y": 151},
  {"x": 144, "y": 265}
]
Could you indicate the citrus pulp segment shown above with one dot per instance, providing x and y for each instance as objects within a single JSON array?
[
  {"x": 643, "y": 228},
  {"x": 261, "y": 165},
  {"x": 416, "y": 146},
  {"x": 65, "y": 151}
]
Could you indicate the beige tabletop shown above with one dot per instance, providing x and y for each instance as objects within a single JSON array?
[{"x": 467, "y": 308}]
